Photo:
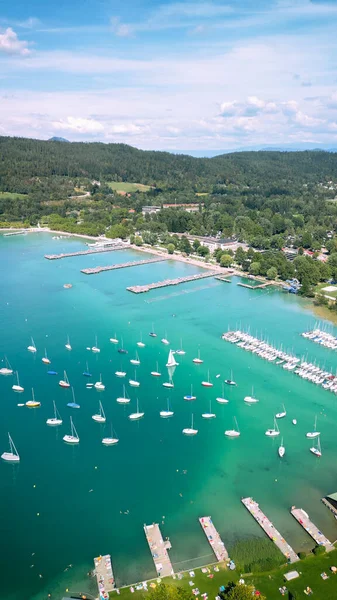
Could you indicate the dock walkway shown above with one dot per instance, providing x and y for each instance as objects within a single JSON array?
[
  {"x": 159, "y": 550},
  {"x": 139, "y": 289},
  {"x": 104, "y": 575},
  {"x": 85, "y": 252},
  {"x": 269, "y": 529},
  {"x": 135, "y": 263},
  {"x": 260, "y": 286},
  {"x": 303, "y": 519},
  {"x": 214, "y": 538}
]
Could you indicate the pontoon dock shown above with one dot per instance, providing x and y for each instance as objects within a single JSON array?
[
  {"x": 214, "y": 538},
  {"x": 303, "y": 519},
  {"x": 159, "y": 550},
  {"x": 104, "y": 575},
  {"x": 135, "y": 263},
  {"x": 139, "y": 289}
]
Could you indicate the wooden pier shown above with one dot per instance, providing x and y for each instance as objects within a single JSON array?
[
  {"x": 139, "y": 289},
  {"x": 260, "y": 286},
  {"x": 159, "y": 550},
  {"x": 222, "y": 278},
  {"x": 303, "y": 519},
  {"x": 269, "y": 529},
  {"x": 86, "y": 252},
  {"x": 104, "y": 575},
  {"x": 214, "y": 538},
  {"x": 135, "y": 263},
  {"x": 330, "y": 502}
]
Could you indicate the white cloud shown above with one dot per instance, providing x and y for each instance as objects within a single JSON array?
[
  {"x": 79, "y": 125},
  {"x": 126, "y": 128},
  {"x": 307, "y": 121},
  {"x": 120, "y": 29},
  {"x": 10, "y": 43}
]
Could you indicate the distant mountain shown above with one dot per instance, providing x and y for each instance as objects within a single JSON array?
[{"x": 58, "y": 139}]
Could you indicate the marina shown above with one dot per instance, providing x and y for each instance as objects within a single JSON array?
[
  {"x": 104, "y": 575},
  {"x": 86, "y": 252},
  {"x": 323, "y": 338},
  {"x": 270, "y": 529},
  {"x": 139, "y": 289},
  {"x": 159, "y": 550},
  {"x": 134, "y": 263},
  {"x": 214, "y": 538},
  {"x": 303, "y": 519}
]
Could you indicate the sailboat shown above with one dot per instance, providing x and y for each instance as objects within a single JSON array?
[
  {"x": 207, "y": 383},
  {"x": 95, "y": 348},
  {"x": 166, "y": 413},
  {"x": 181, "y": 352},
  {"x": 233, "y": 432},
  {"x": 64, "y": 382},
  {"x": 33, "y": 403},
  {"x": 67, "y": 345},
  {"x": 156, "y": 373},
  {"x": 169, "y": 383},
  {"x": 56, "y": 419},
  {"x": 134, "y": 382},
  {"x": 314, "y": 433},
  {"x": 17, "y": 387},
  {"x": 114, "y": 340},
  {"x": 141, "y": 344},
  {"x": 100, "y": 418},
  {"x": 73, "y": 404},
  {"x": 120, "y": 373},
  {"x": 135, "y": 361},
  {"x": 99, "y": 385},
  {"x": 231, "y": 380},
  {"x": 210, "y": 414},
  {"x": 222, "y": 399},
  {"x": 12, "y": 455},
  {"x": 317, "y": 451},
  {"x": 190, "y": 396},
  {"x": 152, "y": 332},
  {"x": 164, "y": 340},
  {"x": 73, "y": 437},
  {"x": 86, "y": 373},
  {"x": 281, "y": 450},
  {"x": 122, "y": 350},
  {"x": 251, "y": 399},
  {"x": 171, "y": 361},
  {"x": 7, "y": 370},
  {"x": 110, "y": 441},
  {"x": 198, "y": 360},
  {"x": 123, "y": 399},
  {"x": 281, "y": 414},
  {"x": 190, "y": 430},
  {"x": 137, "y": 415},
  {"x": 273, "y": 432},
  {"x": 32, "y": 347},
  {"x": 45, "y": 359}
]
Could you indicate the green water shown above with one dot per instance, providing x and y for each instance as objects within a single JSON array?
[{"x": 154, "y": 471}]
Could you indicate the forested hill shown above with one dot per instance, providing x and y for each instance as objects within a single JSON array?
[{"x": 23, "y": 159}]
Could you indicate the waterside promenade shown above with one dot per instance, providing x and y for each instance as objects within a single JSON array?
[
  {"x": 214, "y": 538},
  {"x": 159, "y": 550},
  {"x": 303, "y": 519},
  {"x": 135, "y": 263},
  {"x": 139, "y": 289},
  {"x": 104, "y": 575}
]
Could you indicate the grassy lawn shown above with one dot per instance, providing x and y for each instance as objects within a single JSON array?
[
  {"x": 125, "y": 186},
  {"x": 11, "y": 196},
  {"x": 320, "y": 286}
]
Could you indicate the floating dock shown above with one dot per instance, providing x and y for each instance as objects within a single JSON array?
[
  {"x": 303, "y": 519},
  {"x": 135, "y": 263},
  {"x": 260, "y": 286},
  {"x": 139, "y": 289},
  {"x": 104, "y": 575},
  {"x": 269, "y": 529},
  {"x": 214, "y": 538},
  {"x": 85, "y": 252},
  {"x": 159, "y": 550},
  {"x": 222, "y": 278}
]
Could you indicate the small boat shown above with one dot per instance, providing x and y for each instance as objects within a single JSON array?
[
  {"x": 73, "y": 404},
  {"x": 95, "y": 348},
  {"x": 114, "y": 340},
  {"x": 89, "y": 386},
  {"x": 156, "y": 373},
  {"x": 181, "y": 352},
  {"x": 120, "y": 373},
  {"x": 141, "y": 344},
  {"x": 17, "y": 387},
  {"x": 100, "y": 418},
  {"x": 12, "y": 455},
  {"x": 251, "y": 399},
  {"x": 190, "y": 430},
  {"x": 233, "y": 432},
  {"x": 73, "y": 437},
  {"x": 198, "y": 360},
  {"x": 20, "y": 404},
  {"x": 210, "y": 414},
  {"x": 231, "y": 380},
  {"x": 190, "y": 396},
  {"x": 56, "y": 419},
  {"x": 294, "y": 421},
  {"x": 32, "y": 347},
  {"x": 7, "y": 370},
  {"x": 33, "y": 403},
  {"x": 222, "y": 399},
  {"x": 110, "y": 441},
  {"x": 87, "y": 372},
  {"x": 45, "y": 359},
  {"x": 165, "y": 414},
  {"x": 123, "y": 399},
  {"x": 281, "y": 450},
  {"x": 135, "y": 361},
  {"x": 281, "y": 414},
  {"x": 137, "y": 415},
  {"x": 52, "y": 373},
  {"x": 164, "y": 340},
  {"x": 134, "y": 382},
  {"x": 67, "y": 345},
  {"x": 64, "y": 383},
  {"x": 171, "y": 361},
  {"x": 169, "y": 384},
  {"x": 99, "y": 385},
  {"x": 273, "y": 432},
  {"x": 152, "y": 332},
  {"x": 317, "y": 451},
  {"x": 314, "y": 433},
  {"x": 122, "y": 350},
  {"x": 207, "y": 383}
]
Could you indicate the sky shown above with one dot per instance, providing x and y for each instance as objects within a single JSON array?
[{"x": 196, "y": 75}]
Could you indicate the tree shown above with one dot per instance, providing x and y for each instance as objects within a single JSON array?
[
  {"x": 306, "y": 289},
  {"x": 138, "y": 240},
  {"x": 306, "y": 239},
  {"x": 240, "y": 255},
  {"x": 332, "y": 262},
  {"x": 184, "y": 245},
  {"x": 170, "y": 248},
  {"x": 240, "y": 592},
  {"x": 272, "y": 273},
  {"x": 196, "y": 245},
  {"x": 164, "y": 591},
  {"x": 203, "y": 251},
  {"x": 226, "y": 260},
  {"x": 254, "y": 268}
]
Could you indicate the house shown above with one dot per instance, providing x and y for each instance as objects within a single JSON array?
[
  {"x": 188, "y": 207},
  {"x": 150, "y": 210}
]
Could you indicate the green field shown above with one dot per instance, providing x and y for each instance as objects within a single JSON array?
[
  {"x": 320, "y": 286},
  {"x": 125, "y": 186},
  {"x": 11, "y": 196}
]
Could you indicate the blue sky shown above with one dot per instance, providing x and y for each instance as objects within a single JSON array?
[{"x": 171, "y": 75}]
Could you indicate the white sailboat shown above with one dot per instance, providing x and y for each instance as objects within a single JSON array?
[
  {"x": 114, "y": 340},
  {"x": 17, "y": 387},
  {"x": 56, "y": 419},
  {"x": 141, "y": 344},
  {"x": 134, "y": 382},
  {"x": 207, "y": 383},
  {"x": 12, "y": 455},
  {"x": 7, "y": 370},
  {"x": 198, "y": 360},
  {"x": 99, "y": 385},
  {"x": 171, "y": 361},
  {"x": 64, "y": 383},
  {"x": 233, "y": 432},
  {"x": 100, "y": 418},
  {"x": 231, "y": 380},
  {"x": 210, "y": 414},
  {"x": 169, "y": 383},
  {"x": 164, "y": 340},
  {"x": 317, "y": 451},
  {"x": 120, "y": 373},
  {"x": 137, "y": 415},
  {"x": 222, "y": 399},
  {"x": 156, "y": 373},
  {"x": 32, "y": 347},
  {"x": 152, "y": 332},
  {"x": 281, "y": 450},
  {"x": 190, "y": 396},
  {"x": 251, "y": 399},
  {"x": 135, "y": 361},
  {"x": 181, "y": 352},
  {"x": 281, "y": 414},
  {"x": 33, "y": 403},
  {"x": 68, "y": 345},
  {"x": 73, "y": 437},
  {"x": 166, "y": 413},
  {"x": 45, "y": 359},
  {"x": 273, "y": 432},
  {"x": 123, "y": 399},
  {"x": 190, "y": 430},
  {"x": 110, "y": 441},
  {"x": 95, "y": 348},
  {"x": 314, "y": 433}
]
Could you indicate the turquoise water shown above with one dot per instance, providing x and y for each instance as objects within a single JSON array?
[{"x": 64, "y": 505}]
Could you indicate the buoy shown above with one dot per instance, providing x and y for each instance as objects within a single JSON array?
[
  {"x": 96, "y": 467},
  {"x": 37, "y": 514},
  {"x": 34, "y": 485}
]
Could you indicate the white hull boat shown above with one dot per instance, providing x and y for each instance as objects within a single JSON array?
[
  {"x": 190, "y": 430},
  {"x": 73, "y": 438},
  {"x": 12, "y": 455}
]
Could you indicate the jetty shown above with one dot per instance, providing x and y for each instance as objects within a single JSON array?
[
  {"x": 303, "y": 519},
  {"x": 104, "y": 575},
  {"x": 214, "y": 538},
  {"x": 159, "y": 550},
  {"x": 223, "y": 278},
  {"x": 270, "y": 529},
  {"x": 260, "y": 286},
  {"x": 86, "y": 252},
  {"x": 135, "y": 263},
  {"x": 139, "y": 289},
  {"x": 330, "y": 502}
]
